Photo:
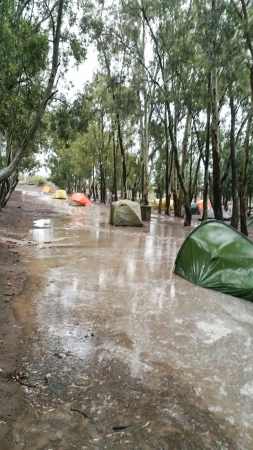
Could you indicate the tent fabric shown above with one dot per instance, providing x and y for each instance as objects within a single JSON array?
[
  {"x": 126, "y": 213},
  {"x": 60, "y": 194},
  {"x": 80, "y": 199},
  {"x": 46, "y": 190},
  {"x": 200, "y": 204},
  {"x": 216, "y": 256}
]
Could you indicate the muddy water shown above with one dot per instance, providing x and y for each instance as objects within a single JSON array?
[{"x": 121, "y": 353}]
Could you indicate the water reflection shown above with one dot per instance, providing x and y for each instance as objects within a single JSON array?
[
  {"x": 118, "y": 283},
  {"x": 42, "y": 230}
]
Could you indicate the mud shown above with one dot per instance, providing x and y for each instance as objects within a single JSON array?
[{"x": 115, "y": 352}]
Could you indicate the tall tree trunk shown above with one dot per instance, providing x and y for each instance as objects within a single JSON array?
[
  {"x": 123, "y": 158},
  {"x": 235, "y": 212},
  {"x": 184, "y": 160},
  {"x": 115, "y": 189},
  {"x": 102, "y": 184},
  {"x": 168, "y": 167},
  {"x": 145, "y": 131},
  {"x": 251, "y": 83},
  {"x": 187, "y": 201},
  {"x": 93, "y": 184},
  {"x": 217, "y": 204},
  {"x": 244, "y": 176},
  {"x": 207, "y": 152}
]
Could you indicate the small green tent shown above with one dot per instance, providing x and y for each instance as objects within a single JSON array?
[
  {"x": 126, "y": 213},
  {"x": 216, "y": 256}
]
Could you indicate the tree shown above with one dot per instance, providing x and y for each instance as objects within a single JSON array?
[{"x": 29, "y": 66}]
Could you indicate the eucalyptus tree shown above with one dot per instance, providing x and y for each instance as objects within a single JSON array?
[
  {"x": 244, "y": 11},
  {"x": 31, "y": 34},
  {"x": 36, "y": 43}
]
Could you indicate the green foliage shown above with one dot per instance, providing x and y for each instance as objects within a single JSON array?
[
  {"x": 23, "y": 59},
  {"x": 36, "y": 180}
]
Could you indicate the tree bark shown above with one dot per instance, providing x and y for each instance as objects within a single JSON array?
[
  {"x": 217, "y": 205},
  {"x": 168, "y": 165},
  {"x": 145, "y": 134},
  {"x": 244, "y": 176},
  {"x": 207, "y": 152},
  {"x": 187, "y": 201},
  {"x": 235, "y": 211},
  {"x": 115, "y": 189},
  {"x": 123, "y": 158}
]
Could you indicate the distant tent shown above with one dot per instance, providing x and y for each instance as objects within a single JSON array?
[
  {"x": 194, "y": 208},
  {"x": 47, "y": 189},
  {"x": 155, "y": 203},
  {"x": 60, "y": 194},
  {"x": 126, "y": 213},
  {"x": 210, "y": 212},
  {"x": 200, "y": 205},
  {"x": 216, "y": 256},
  {"x": 80, "y": 199}
]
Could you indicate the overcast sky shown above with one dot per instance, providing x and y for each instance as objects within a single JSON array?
[{"x": 77, "y": 76}]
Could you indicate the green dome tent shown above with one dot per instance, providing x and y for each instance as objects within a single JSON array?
[
  {"x": 216, "y": 256},
  {"x": 126, "y": 213}
]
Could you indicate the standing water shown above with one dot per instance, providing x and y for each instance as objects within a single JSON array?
[{"x": 123, "y": 354}]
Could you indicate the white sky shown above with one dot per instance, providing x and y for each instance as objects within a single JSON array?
[{"x": 77, "y": 76}]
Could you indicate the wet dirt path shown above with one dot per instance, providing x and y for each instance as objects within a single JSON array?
[{"x": 122, "y": 354}]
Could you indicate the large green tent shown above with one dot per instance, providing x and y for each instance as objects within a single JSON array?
[
  {"x": 126, "y": 213},
  {"x": 216, "y": 256}
]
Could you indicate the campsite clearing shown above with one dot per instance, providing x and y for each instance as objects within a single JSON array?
[{"x": 114, "y": 350}]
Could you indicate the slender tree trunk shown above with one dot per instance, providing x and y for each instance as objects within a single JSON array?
[
  {"x": 215, "y": 131},
  {"x": 123, "y": 158},
  {"x": 235, "y": 212},
  {"x": 207, "y": 153},
  {"x": 217, "y": 204},
  {"x": 243, "y": 178},
  {"x": 251, "y": 83},
  {"x": 187, "y": 201},
  {"x": 145, "y": 131},
  {"x": 93, "y": 184},
  {"x": 102, "y": 184},
  {"x": 167, "y": 171},
  {"x": 184, "y": 160},
  {"x": 115, "y": 189}
]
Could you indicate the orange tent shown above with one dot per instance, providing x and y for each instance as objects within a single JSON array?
[
  {"x": 80, "y": 199},
  {"x": 199, "y": 204}
]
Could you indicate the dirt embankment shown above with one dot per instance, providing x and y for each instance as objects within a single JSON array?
[{"x": 15, "y": 221}]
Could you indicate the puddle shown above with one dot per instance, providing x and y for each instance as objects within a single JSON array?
[
  {"x": 42, "y": 230},
  {"x": 42, "y": 223}
]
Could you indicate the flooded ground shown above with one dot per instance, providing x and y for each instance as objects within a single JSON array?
[{"x": 119, "y": 352}]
